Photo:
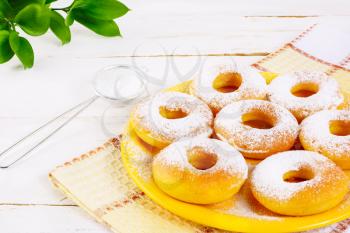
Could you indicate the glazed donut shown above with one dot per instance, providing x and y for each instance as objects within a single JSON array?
[
  {"x": 304, "y": 93},
  {"x": 220, "y": 84},
  {"x": 298, "y": 183},
  {"x": 328, "y": 132},
  {"x": 199, "y": 170},
  {"x": 170, "y": 116},
  {"x": 257, "y": 128}
]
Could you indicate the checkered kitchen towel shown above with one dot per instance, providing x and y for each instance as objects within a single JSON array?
[
  {"x": 322, "y": 47},
  {"x": 98, "y": 183}
]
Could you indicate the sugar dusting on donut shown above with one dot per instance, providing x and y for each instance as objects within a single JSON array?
[
  {"x": 328, "y": 95},
  {"x": 140, "y": 159},
  {"x": 244, "y": 204},
  {"x": 316, "y": 132},
  {"x": 229, "y": 120},
  {"x": 253, "y": 85},
  {"x": 275, "y": 187},
  {"x": 229, "y": 159},
  {"x": 197, "y": 123},
  {"x": 242, "y": 208}
]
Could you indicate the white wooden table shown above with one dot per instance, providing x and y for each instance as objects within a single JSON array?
[{"x": 155, "y": 33}]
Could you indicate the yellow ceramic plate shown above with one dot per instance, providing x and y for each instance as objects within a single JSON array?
[{"x": 241, "y": 213}]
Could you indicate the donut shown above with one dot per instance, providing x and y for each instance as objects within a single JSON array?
[
  {"x": 257, "y": 128},
  {"x": 298, "y": 183},
  {"x": 220, "y": 84},
  {"x": 199, "y": 170},
  {"x": 328, "y": 132},
  {"x": 304, "y": 93},
  {"x": 170, "y": 116}
]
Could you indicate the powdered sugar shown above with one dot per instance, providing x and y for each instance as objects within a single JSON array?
[
  {"x": 197, "y": 123},
  {"x": 229, "y": 159},
  {"x": 267, "y": 177},
  {"x": 245, "y": 205},
  {"x": 140, "y": 158},
  {"x": 328, "y": 95},
  {"x": 229, "y": 126},
  {"x": 315, "y": 131},
  {"x": 253, "y": 85}
]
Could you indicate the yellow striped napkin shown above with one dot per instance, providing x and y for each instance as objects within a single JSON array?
[
  {"x": 322, "y": 47},
  {"x": 98, "y": 183}
]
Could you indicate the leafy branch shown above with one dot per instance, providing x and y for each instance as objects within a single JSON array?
[{"x": 36, "y": 17}]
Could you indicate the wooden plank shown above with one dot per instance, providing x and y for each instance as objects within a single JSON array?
[
  {"x": 182, "y": 28},
  {"x": 53, "y": 219},
  {"x": 27, "y": 182},
  {"x": 154, "y": 34},
  {"x": 241, "y": 8}
]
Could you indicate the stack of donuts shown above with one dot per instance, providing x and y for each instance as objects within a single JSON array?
[{"x": 287, "y": 140}]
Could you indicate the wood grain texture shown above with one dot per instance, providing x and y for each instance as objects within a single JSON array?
[
  {"x": 43, "y": 219},
  {"x": 193, "y": 34},
  {"x": 197, "y": 27}
]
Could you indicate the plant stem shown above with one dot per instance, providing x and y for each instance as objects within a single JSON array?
[
  {"x": 65, "y": 9},
  {"x": 12, "y": 24}
]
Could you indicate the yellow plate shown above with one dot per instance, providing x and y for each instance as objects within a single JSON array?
[{"x": 241, "y": 213}]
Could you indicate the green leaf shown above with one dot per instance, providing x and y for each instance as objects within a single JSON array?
[
  {"x": 50, "y": 1},
  {"x": 22, "y": 49},
  {"x": 5, "y": 9},
  {"x": 105, "y": 9},
  {"x": 6, "y": 52},
  {"x": 101, "y": 27},
  {"x": 20, "y": 4},
  {"x": 69, "y": 19},
  {"x": 34, "y": 19},
  {"x": 59, "y": 28},
  {"x": 4, "y": 25}
]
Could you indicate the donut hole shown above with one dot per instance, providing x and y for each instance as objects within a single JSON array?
[
  {"x": 172, "y": 113},
  {"x": 304, "y": 89},
  {"x": 257, "y": 120},
  {"x": 227, "y": 82},
  {"x": 340, "y": 127},
  {"x": 300, "y": 175},
  {"x": 201, "y": 159}
]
